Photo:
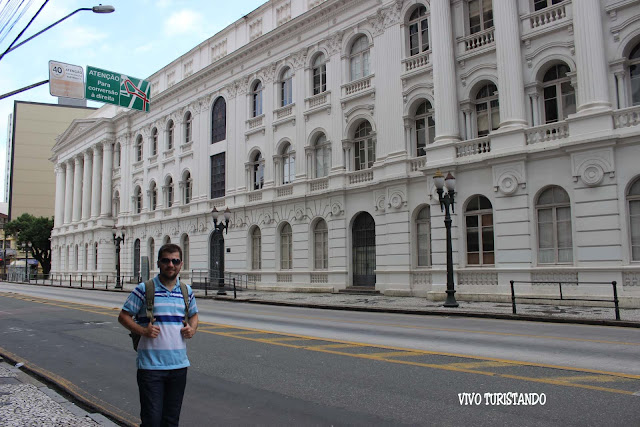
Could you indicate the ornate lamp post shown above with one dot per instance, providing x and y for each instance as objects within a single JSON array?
[
  {"x": 219, "y": 228},
  {"x": 446, "y": 202},
  {"x": 118, "y": 238},
  {"x": 26, "y": 246}
]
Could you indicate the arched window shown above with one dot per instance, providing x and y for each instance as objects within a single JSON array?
[
  {"x": 166, "y": 240},
  {"x": 169, "y": 192},
  {"x": 418, "y": 31},
  {"x": 487, "y": 109},
  {"x": 219, "y": 121},
  {"x": 188, "y": 127},
  {"x": 154, "y": 141},
  {"x": 137, "y": 200},
  {"x": 423, "y": 237},
  {"x": 116, "y": 204},
  {"x": 480, "y": 15},
  {"x": 542, "y": 4},
  {"x": 153, "y": 196},
  {"x": 288, "y": 164},
  {"x": 359, "y": 58},
  {"x": 86, "y": 256},
  {"x": 185, "y": 251},
  {"x": 633, "y": 197},
  {"x": 170, "y": 132},
  {"x": 479, "y": 226},
  {"x": 559, "y": 96},
  {"x": 152, "y": 254},
  {"x": 286, "y": 87},
  {"x": 257, "y": 171},
  {"x": 256, "y": 249},
  {"x": 365, "y": 146},
  {"x": 319, "y": 74},
  {"x": 634, "y": 74},
  {"x": 139, "y": 148},
  {"x": 117, "y": 155},
  {"x": 320, "y": 246},
  {"x": 257, "y": 99},
  {"x": 555, "y": 242},
  {"x": 76, "y": 259},
  {"x": 286, "y": 247},
  {"x": 187, "y": 184},
  {"x": 322, "y": 153},
  {"x": 95, "y": 261},
  {"x": 425, "y": 128}
]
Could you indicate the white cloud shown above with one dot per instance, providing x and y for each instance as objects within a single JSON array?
[
  {"x": 75, "y": 37},
  {"x": 144, "y": 48},
  {"x": 182, "y": 22}
]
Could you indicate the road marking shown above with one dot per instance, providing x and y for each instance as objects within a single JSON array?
[
  {"x": 281, "y": 339},
  {"x": 474, "y": 365},
  {"x": 394, "y": 354},
  {"x": 327, "y": 346},
  {"x": 590, "y": 378}
]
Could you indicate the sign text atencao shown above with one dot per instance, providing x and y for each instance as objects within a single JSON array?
[
  {"x": 118, "y": 89},
  {"x": 66, "y": 80}
]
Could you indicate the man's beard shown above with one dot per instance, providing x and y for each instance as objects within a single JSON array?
[{"x": 169, "y": 276}]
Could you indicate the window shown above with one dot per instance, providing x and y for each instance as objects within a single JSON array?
[
  {"x": 257, "y": 99},
  {"x": 423, "y": 237},
  {"x": 634, "y": 219},
  {"x": 555, "y": 243},
  {"x": 170, "y": 129},
  {"x": 319, "y": 74},
  {"x": 188, "y": 127},
  {"x": 480, "y": 15},
  {"x": 137, "y": 200},
  {"x": 359, "y": 58},
  {"x": 219, "y": 121},
  {"x": 634, "y": 74},
  {"x": 188, "y": 188},
  {"x": 321, "y": 246},
  {"x": 152, "y": 254},
  {"x": 185, "y": 252},
  {"x": 139, "y": 148},
  {"x": 487, "y": 109},
  {"x": 153, "y": 196},
  {"x": 286, "y": 87},
  {"x": 218, "y": 176},
  {"x": 288, "y": 164},
  {"x": 258, "y": 171},
  {"x": 286, "y": 248},
  {"x": 479, "y": 224},
  {"x": 154, "y": 141},
  {"x": 559, "y": 96},
  {"x": 86, "y": 256},
  {"x": 169, "y": 192},
  {"x": 256, "y": 249},
  {"x": 542, "y": 4},
  {"x": 425, "y": 128},
  {"x": 95, "y": 261},
  {"x": 365, "y": 146},
  {"x": 322, "y": 152},
  {"x": 418, "y": 31},
  {"x": 117, "y": 155}
]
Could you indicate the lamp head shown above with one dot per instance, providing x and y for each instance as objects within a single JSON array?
[
  {"x": 450, "y": 182},
  {"x": 438, "y": 180},
  {"x": 29, "y": 244},
  {"x": 215, "y": 214},
  {"x": 103, "y": 9},
  {"x": 227, "y": 214}
]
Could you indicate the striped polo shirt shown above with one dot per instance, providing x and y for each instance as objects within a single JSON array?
[{"x": 169, "y": 349}]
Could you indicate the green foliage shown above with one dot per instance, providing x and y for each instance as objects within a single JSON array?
[{"x": 37, "y": 230}]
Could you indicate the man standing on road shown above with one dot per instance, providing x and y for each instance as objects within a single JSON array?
[{"x": 162, "y": 351}]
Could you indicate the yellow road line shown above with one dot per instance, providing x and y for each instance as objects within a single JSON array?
[
  {"x": 327, "y": 346},
  {"x": 282, "y": 339},
  {"x": 393, "y": 354},
  {"x": 473, "y": 365},
  {"x": 590, "y": 378}
]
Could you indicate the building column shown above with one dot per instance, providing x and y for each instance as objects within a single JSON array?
[
  {"x": 77, "y": 189},
  {"x": 590, "y": 57},
  {"x": 510, "y": 79},
  {"x": 107, "y": 173},
  {"x": 621, "y": 81},
  {"x": 58, "y": 218},
  {"x": 86, "y": 185},
  {"x": 444, "y": 72},
  {"x": 96, "y": 182},
  {"x": 68, "y": 192}
]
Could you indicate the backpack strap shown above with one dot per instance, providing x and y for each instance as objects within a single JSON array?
[
  {"x": 149, "y": 296},
  {"x": 185, "y": 295}
]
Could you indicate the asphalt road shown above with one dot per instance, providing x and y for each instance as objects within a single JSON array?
[{"x": 258, "y": 365}]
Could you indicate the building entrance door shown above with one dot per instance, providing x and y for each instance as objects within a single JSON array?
[
  {"x": 364, "y": 250},
  {"x": 136, "y": 259},
  {"x": 216, "y": 261}
]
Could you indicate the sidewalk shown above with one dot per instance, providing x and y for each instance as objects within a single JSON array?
[{"x": 26, "y": 401}]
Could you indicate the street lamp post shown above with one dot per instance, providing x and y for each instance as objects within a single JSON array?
[
  {"x": 446, "y": 203},
  {"x": 118, "y": 238},
  {"x": 27, "y": 247},
  {"x": 219, "y": 228}
]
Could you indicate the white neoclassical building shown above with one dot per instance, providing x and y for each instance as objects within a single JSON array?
[{"x": 320, "y": 125}]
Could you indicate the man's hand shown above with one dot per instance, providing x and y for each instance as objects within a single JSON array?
[
  {"x": 151, "y": 331},
  {"x": 187, "y": 331}
]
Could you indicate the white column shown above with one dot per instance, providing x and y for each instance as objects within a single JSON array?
[
  {"x": 535, "y": 108},
  {"x": 622, "y": 88},
  {"x": 77, "y": 189},
  {"x": 107, "y": 172},
  {"x": 86, "y": 185},
  {"x": 444, "y": 72},
  {"x": 58, "y": 218},
  {"x": 96, "y": 182},
  {"x": 590, "y": 57},
  {"x": 510, "y": 79},
  {"x": 68, "y": 192}
]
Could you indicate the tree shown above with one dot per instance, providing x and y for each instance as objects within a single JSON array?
[{"x": 37, "y": 230}]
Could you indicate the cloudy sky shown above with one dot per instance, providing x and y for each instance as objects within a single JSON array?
[{"x": 138, "y": 39}]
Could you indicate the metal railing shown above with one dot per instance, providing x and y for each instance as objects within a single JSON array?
[
  {"x": 215, "y": 280},
  {"x": 562, "y": 297}
]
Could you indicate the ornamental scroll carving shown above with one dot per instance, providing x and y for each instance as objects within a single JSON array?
[
  {"x": 507, "y": 179},
  {"x": 592, "y": 167}
]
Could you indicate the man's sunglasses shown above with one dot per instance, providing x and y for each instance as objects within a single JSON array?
[{"x": 174, "y": 261}]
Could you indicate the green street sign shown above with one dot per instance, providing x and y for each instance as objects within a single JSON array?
[{"x": 118, "y": 89}]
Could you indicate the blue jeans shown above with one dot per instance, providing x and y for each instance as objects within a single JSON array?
[{"x": 161, "y": 394}]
